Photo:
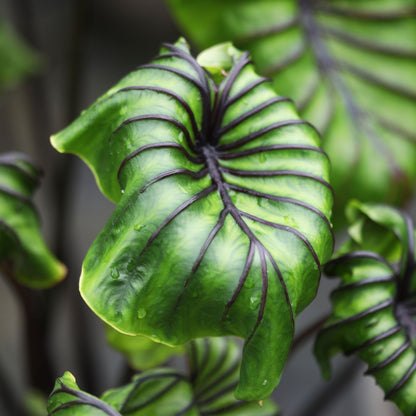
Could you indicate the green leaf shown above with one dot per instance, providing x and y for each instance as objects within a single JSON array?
[
  {"x": 17, "y": 60},
  {"x": 374, "y": 306},
  {"x": 214, "y": 365},
  {"x": 67, "y": 399},
  {"x": 223, "y": 206},
  {"x": 350, "y": 68},
  {"x": 23, "y": 253},
  {"x": 141, "y": 352}
]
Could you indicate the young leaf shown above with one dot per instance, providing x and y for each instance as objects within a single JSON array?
[
  {"x": 23, "y": 253},
  {"x": 374, "y": 306},
  {"x": 350, "y": 68},
  {"x": 214, "y": 365},
  {"x": 67, "y": 399},
  {"x": 223, "y": 206}
]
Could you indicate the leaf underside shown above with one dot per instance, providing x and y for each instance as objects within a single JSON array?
[
  {"x": 207, "y": 391},
  {"x": 349, "y": 66},
  {"x": 374, "y": 307},
  {"x": 23, "y": 253},
  {"x": 223, "y": 206}
]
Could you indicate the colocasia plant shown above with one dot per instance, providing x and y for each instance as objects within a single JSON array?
[{"x": 223, "y": 218}]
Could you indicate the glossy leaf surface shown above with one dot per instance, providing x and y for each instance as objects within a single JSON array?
[
  {"x": 23, "y": 253},
  {"x": 223, "y": 205},
  {"x": 350, "y": 67},
  {"x": 374, "y": 306},
  {"x": 17, "y": 60},
  {"x": 214, "y": 365}
]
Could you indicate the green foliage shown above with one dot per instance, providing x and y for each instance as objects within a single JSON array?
[
  {"x": 350, "y": 68},
  {"x": 374, "y": 306},
  {"x": 23, "y": 253},
  {"x": 223, "y": 207},
  {"x": 17, "y": 60},
  {"x": 214, "y": 365},
  {"x": 141, "y": 352}
]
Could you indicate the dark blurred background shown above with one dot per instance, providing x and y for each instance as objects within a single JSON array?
[{"x": 86, "y": 47}]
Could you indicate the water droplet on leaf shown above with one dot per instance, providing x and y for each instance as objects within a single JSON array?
[
  {"x": 262, "y": 157},
  {"x": 115, "y": 273},
  {"x": 141, "y": 313},
  {"x": 130, "y": 265},
  {"x": 254, "y": 302},
  {"x": 264, "y": 382},
  {"x": 139, "y": 227},
  {"x": 122, "y": 191}
]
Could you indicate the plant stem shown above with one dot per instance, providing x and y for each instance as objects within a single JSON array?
[{"x": 307, "y": 333}]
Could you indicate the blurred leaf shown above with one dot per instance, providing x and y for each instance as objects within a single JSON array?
[
  {"x": 35, "y": 404},
  {"x": 223, "y": 206},
  {"x": 141, "y": 352},
  {"x": 374, "y": 308},
  {"x": 17, "y": 60},
  {"x": 350, "y": 68},
  {"x": 23, "y": 253}
]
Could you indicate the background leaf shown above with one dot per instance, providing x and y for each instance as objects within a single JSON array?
[
  {"x": 223, "y": 206},
  {"x": 17, "y": 60},
  {"x": 374, "y": 307},
  {"x": 23, "y": 253},
  {"x": 350, "y": 68},
  {"x": 141, "y": 352}
]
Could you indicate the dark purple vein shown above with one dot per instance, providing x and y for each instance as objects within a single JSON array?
[
  {"x": 202, "y": 194},
  {"x": 374, "y": 340},
  {"x": 243, "y": 278},
  {"x": 331, "y": 266},
  {"x": 158, "y": 117},
  {"x": 375, "y": 80},
  {"x": 284, "y": 200},
  {"x": 180, "y": 171},
  {"x": 238, "y": 120},
  {"x": 272, "y": 173},
  {"x": 224, "y": 91},
  {"x": 264, "y": 290},
  {"x": 173, "y": 95},
  {"x": 252, "y": 136},
  {"x": 394, "y": 128},
  {"x": 261, "y": 149},
  {"x": 161, "y": 145},
  {"x": 222, "y": 410},
  {"x": 368, "y": 14},
  {"x": 202, "y": 364},
  {"x": 390, "y": 359},
  {"x": 368, "y": 45},
  {"x": 224, "y": 390},
  {"x": 382, "y": 305},
  {"x": 290, "y": 230},
  {"x": 294, "y": 55},
  {"x": 402, "y": 381},
  {"x": 22, "y": 198},
  {"x": 248, "y": 88},
  {"x": 275, "y": 29},
  {"x": 374, "y": 280},
  {"x": 406, "y": 274}
]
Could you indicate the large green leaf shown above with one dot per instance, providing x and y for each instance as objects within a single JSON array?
[
  {"x": 23, "y": 252},
  {"x": 213, "y": 364},
  {"x": 223, "y": 205},
  {"x": 17, "y": 60},
  {"x": 350, "y": 67},
  {"x": 374, "y": 306}
]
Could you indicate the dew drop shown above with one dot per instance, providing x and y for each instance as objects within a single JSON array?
[
  {"x": 139, "y": 227},
  {"x": 115, "y": 273},
  {"x": 141, "y": 313},
  {"x": 254, "y": 302},
  {"x": 130, "y": 265},
  {"x": 262, "y": 157},
  {"x": 249, "y": 283},
  {"x": 122, "y": 191},
  {"x": 264, "y": 382}
]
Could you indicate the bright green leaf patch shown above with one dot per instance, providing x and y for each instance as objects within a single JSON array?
[
  {"x": 23, "y": 253},
  {"x": 374, "y": 306},
  {"x": 208, "y": 390},
  {"x": 350, "y": 67},
  {"x": 222, "y": 220}
]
